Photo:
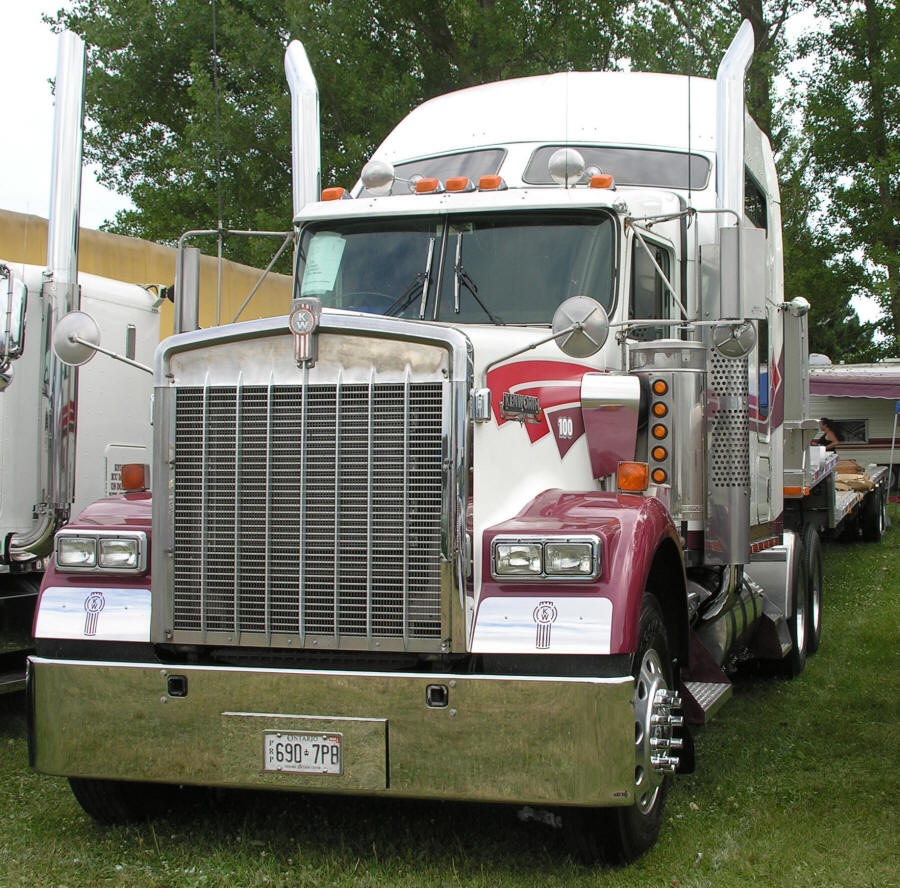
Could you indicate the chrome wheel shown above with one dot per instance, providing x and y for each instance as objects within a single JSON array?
[{"x": 654, "y": 724}]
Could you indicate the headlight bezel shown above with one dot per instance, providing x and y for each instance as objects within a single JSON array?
[
  {"x": 593, "y": 544},
  {"x": 137, "y": 538}
]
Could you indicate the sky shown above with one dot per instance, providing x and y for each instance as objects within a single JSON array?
[{"x": 27, "y": 63}]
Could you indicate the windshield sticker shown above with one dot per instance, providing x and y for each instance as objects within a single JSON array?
[{"x": 325, "y": 252}]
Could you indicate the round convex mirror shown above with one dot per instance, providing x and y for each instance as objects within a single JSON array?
[{"x": 581, "y": 326}]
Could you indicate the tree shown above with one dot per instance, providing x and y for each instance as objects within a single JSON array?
[
  {"x": 193, "y": 121},
  {"x": 852, "y": 121}
]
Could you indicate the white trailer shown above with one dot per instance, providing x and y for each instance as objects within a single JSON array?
[{"x": 64, "y": 432}]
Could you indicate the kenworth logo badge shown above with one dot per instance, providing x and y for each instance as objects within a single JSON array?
[
  {"x": 522, "y": 408},
  {"x": 93, "y": 604},
  {"x": 303, "y": 322},
  {"x": 545, "y": 615}
]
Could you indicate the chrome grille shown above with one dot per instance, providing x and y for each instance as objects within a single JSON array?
[{"x": 309, "y": 513}]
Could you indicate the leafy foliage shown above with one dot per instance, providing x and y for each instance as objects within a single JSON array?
[
  {"x": 852, "y": 121},
  {"x": 191, "y": 115}
]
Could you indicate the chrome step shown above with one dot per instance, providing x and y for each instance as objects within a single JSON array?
[{"x": 703, "y": 699}]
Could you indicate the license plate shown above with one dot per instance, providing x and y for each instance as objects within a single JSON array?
[{"x": 304, "y": 753}]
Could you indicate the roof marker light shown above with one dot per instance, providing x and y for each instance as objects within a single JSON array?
[
  {"x": 429, "y": 186},
  {"x": 603, "y": 180},
  {"x": 336, "y": 193},
  {"x": 459, "y": 184},
  {"x": 491, "y": 183}
]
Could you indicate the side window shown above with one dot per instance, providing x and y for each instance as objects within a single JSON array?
[
  {"x": 755, "y": 208},
  {"x": 851, "y": 431},
  {"x": 763, "y": 379},
  {"x": 648, "y": 293}
]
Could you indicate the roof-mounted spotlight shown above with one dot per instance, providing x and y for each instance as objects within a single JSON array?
[
  {"x": 378, "y": 177},
  {"x": 566, "y": 167}
]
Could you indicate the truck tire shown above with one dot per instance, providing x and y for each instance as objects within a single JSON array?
[
  {"x": 813, "y": 546},
  {"x": 872, "y": 517},
  {"x": 798, "y": 619},
  {"x": 620, "y": 835},
  {"x": 119, "y": 801}
]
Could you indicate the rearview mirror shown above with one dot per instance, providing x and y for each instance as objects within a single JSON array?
[{"x": 13, "y": 302}]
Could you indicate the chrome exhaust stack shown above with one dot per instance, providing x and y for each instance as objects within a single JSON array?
[
  {"x": 306, "y": 161},
  {"x": 730, "y": 120},
  {"x": 60, "y": 295}
]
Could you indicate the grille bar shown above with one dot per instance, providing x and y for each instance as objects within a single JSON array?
[{"x": 309, "y": 512}]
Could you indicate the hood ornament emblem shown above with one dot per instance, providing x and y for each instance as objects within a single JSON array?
[{"x": 303, "y": 322}]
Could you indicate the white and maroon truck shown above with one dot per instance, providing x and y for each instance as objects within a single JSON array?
[
  {"x": 493, "y": 512},
  {"x": 65, "y": 433}
]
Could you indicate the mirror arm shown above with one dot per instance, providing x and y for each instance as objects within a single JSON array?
[{"x": 112, "y": 354}]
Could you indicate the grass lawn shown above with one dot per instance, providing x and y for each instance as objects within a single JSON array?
[{"x": 795, "y": 786}]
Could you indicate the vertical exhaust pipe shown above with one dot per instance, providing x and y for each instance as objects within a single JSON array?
[
  {"x": 60, "y": 295},
  {"x": 306, "y": 164},
  {"x": 728, "y": 512},
  {"x": 730, "y": 120}
]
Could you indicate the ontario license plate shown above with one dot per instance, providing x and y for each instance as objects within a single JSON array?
[{"x": 303, "y": 753}]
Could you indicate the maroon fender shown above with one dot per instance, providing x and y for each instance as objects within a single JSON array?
[
  {"x": 631, "y": 528},
  {"x": 130, "y": 511}
]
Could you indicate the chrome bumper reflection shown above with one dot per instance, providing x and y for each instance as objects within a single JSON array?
[{"x": 487, "y": 738}]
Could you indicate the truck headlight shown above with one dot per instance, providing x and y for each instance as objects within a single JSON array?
[
  {"x": 76, "y": 551},
  {"x": 517, "y": 559},
  {"x": 569, "y": 559},
  {"x": 101, "y": 551},
  {"x": 118, "y": 552},
  {"x": 573, "y": 558}
]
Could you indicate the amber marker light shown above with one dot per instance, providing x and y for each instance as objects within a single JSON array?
[
  {"x": 428, "y": 186},
  {"x": 658, "y": 476},
  {"x": 491, "y": 183},
  {"x": 659, "y": 453},
  {"x": 633, "y": 477},
  {"x": 459, "y": 183},
  {"x": 660, "y": 409},
  {"x": 602, "y": 180},
  {"x": 659, "y": 431},
  {"x": 660, "y": 387},
  {"x": 336, "y": 193},
  {"x": 135, "y": 476}
]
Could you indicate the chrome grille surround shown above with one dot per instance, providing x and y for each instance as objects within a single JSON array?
[{"x": 311, "y": 507}]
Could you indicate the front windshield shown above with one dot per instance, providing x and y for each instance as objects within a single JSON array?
[{"x": 510, "y": 268}]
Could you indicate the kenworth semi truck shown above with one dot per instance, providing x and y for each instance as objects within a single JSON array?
[
  {"x": 492, "y": 513},
  {"x": 64, "y": 439}
]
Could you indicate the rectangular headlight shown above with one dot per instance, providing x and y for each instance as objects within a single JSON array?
[
  {"x": 118, "y": 554},
  {"x": 74, "y": 551},
  {"x": 569, "y": 559},
  {"x": 101, "y": 551},
  {"x": 517, "y": 559}
]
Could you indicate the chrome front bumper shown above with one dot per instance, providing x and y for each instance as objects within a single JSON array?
[{"x": 498, "y": 738}]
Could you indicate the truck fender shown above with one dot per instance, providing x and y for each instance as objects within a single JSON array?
[
  {"x": 94, "y": 604},
  {"x": 640, "y": 551}
]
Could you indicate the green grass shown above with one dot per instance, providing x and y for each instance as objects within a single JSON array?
[{"x": 796, "y": 785}]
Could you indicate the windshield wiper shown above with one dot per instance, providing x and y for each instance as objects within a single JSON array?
[
  {"x": 462, "y": 277},
  {"x": 408, "y": 296}
]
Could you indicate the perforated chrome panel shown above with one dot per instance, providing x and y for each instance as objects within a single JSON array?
[{"x": 727, "y": 535}]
